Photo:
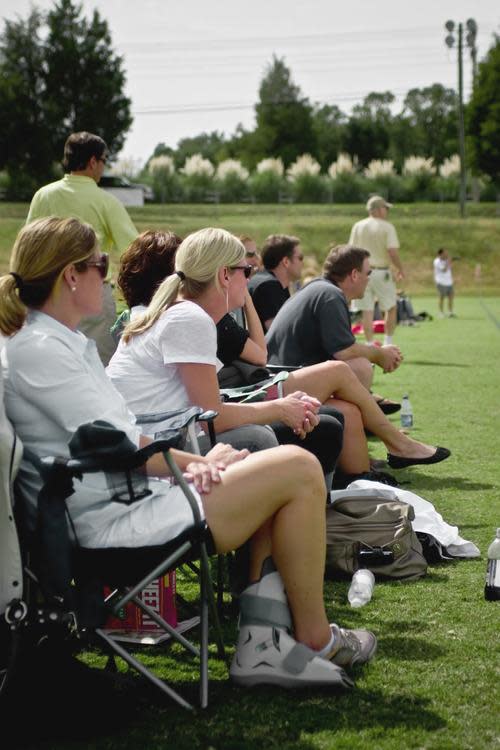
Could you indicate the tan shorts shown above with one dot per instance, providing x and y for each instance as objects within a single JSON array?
[
  {"x": 380, "y": 287},
  {"x": 98, "y": 326}
]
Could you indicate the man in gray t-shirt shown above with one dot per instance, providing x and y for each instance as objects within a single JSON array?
[
  {"x": 314, "y": 325},
  {"x": 311, "y": 326}
]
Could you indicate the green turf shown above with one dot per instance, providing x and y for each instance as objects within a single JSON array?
[
  {"x": 435, "y": 681},
  {"x": 422, "y": 228}
]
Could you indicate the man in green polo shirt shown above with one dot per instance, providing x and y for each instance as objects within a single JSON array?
[{"x": 78, "y": 195}]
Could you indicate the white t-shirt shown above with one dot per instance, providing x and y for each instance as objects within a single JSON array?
[
  {"x": 376, "y": 236},
  {"x": 145, "y": 370},
  {"x": 442, "y": 272},
  {"x": 55, "y": 382}
]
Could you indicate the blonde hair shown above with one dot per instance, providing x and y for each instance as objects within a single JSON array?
[
  {"x": 197, "y": 263},
  {"x": 41, "y": 252}
]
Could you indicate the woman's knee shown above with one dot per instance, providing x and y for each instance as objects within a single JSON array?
[
  {"x": 362, "y": 368},
  {"x": 254, "y": 437},
  {"x": 337, "y": 369},
  {"x": 302, "y": 466},
  {"x": 352, "y": 414}
]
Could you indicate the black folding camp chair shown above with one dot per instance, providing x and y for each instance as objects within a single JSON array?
[{"x": 72, "y": 578}]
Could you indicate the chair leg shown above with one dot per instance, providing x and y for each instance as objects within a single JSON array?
[
  {"x": 204, "y": 650},
  {"x": 139, "y": 667},
  {"x": 208, "y": 590},
  {"x": 220, "y": 584}
]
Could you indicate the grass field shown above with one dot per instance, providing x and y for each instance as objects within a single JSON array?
[
  {"x": 422, "y": 228},
  {"x": 435, "y": 681}
]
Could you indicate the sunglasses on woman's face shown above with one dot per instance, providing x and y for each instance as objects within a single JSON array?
[
  {"x": 247, "y": 270},
  {"x": 102, "y": 264}
]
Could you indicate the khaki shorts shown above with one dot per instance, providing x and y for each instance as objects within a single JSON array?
[
  {"x": 98, "y": 326},
  {"x": 380, "y": 287}
]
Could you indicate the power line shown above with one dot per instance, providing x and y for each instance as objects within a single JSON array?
[{"x": 234, "y": 106}]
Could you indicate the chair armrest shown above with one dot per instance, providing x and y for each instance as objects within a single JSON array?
[
  {"x": 283, "y": 368},
  {"x": 174, "y": 419},
  {"x": 88, "y": 465}
]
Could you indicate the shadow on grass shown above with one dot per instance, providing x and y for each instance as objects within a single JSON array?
[
  {"x": 56, "y": 699},
  {"x": 285, "y": 721},
  {"x": 426, "y": 482},
  {"x": 76, "y": 708},
  {"x": 431, "y": 363},
  {"x": 409, "y": 649}
]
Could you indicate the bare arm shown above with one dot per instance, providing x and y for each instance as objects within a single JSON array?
[
  {"x": 203, "y": 471},
  {"x": 393, "y": 253},
  {"x": 200, "y": 381},
  {"x": 255, "y": 349},
  {"x": 387, "y": 357}
]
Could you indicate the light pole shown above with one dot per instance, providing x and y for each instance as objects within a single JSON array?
[{"x": 470, "y": 40}]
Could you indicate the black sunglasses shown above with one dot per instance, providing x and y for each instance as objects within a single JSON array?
[
  {"x": 102, "y": 264},
  {"x": 247, "y": 270}
]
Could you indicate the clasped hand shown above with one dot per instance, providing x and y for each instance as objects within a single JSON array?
[
  {"x": 300, "y": 412},
  {"x": 204, "y": 474}
]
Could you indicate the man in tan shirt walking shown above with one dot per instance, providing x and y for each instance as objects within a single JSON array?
[{"x": 379, "y": 237}]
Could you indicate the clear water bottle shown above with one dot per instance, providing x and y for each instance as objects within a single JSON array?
[
  {"x": 406, "y": 413},
  {"x": 361, "y": 588},
  {"x": 492, "y": 587}
]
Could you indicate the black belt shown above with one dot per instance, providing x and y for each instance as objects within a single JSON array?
[{"x": 380, "y": 268}]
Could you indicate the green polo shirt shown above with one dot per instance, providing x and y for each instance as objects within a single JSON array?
[{"x": 80, "y": 197}]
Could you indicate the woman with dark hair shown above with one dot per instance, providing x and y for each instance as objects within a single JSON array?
[
  {"x": 145, "y": 263},
  {"x": 143, "y": 266},
  {"x": 55, "y": 382}
]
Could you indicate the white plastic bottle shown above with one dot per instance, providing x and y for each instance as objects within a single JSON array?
[
  {"x": 492, "y": 587},
  {"x": 361, "y": 588},
  {"x": 406, "y": 413}
]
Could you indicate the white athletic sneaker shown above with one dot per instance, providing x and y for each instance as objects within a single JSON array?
[
  {"x": 352, "y": 647},
  {"x": 267, "y": 655}
]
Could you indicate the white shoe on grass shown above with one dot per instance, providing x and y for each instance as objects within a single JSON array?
[{"x": 352, "y": 647}]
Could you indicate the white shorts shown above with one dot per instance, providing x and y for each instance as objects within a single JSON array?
[
  {"x": 380, "y": 287},
  {"x": 156, "y": 519}
]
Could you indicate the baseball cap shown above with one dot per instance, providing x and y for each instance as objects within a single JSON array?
[{"x": 376, "y": 201}]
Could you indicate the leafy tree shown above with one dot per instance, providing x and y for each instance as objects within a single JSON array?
[
  {"x": 247, "y": 146},
  {"x": 368, "y": 130},
  {"x": 483, "y": 116},
  {"x": 328, "y": 123},
  {"x": 431, "y": 113},
  {"x": 162, "y": 149},
  {"x": 211, "y": 146},
  {"x": 85, "y": 78},
  {"x": 58, "y": 75},
  {"x": 284, "y": 116},
  {"x": 24, "y": 127},
  {"x": 404, "y": 141}
]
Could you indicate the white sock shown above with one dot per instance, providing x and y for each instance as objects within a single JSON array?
[
  {"x": 326, "y": 650},
  {"x": 387, "y": 340}
]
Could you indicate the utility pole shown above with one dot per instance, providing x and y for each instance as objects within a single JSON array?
[{"x": 471, "y": 26}]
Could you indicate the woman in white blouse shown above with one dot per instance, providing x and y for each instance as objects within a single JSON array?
[{"x": 54, "y": 382}]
